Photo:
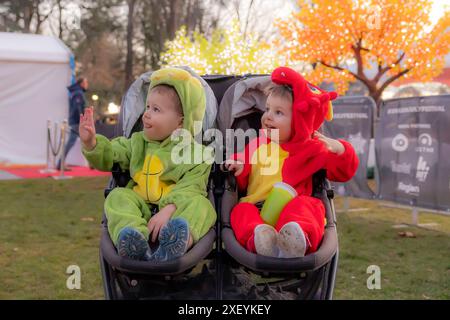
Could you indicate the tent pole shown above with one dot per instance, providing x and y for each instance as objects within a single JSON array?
[
  {"x": 48, "y": 168},
  {"x": 62, "y": 151},
  {"x": 55, "y": 136}
]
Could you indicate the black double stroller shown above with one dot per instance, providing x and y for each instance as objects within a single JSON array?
[{"x": 217, "y": 266}]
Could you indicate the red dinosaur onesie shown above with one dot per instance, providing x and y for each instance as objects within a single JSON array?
[{"x": 297, "y": 160}]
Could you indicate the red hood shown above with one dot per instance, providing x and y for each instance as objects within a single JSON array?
[{"x": 311, "y": 105}]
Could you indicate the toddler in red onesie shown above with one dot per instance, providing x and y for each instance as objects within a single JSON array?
[{"x": 295, "y": 109}]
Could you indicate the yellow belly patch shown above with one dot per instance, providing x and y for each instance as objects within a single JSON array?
[
  {"x": 149, "y": 186},
  {"x": 267, "y": 163}
]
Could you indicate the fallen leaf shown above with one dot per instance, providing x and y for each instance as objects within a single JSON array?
[{"x": 407, "y": 234}]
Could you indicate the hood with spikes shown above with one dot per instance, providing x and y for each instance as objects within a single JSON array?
[{"x": 310, "y": 107}]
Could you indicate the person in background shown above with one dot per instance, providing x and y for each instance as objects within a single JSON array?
[{"x": 77, "y": 104}]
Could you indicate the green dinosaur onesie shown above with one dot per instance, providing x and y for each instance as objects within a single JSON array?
[{"x": 156, "y": 179}]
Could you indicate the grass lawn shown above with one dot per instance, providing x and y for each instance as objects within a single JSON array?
[
  {"x": 48, "y": 225},
  {"x": 411, "y": 268}
]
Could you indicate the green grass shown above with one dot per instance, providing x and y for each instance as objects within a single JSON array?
[
  {"x": 411, "y": 268},
  {"x": 47, "y": 225}
]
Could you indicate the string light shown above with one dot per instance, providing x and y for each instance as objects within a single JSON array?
[{"x": 226, "y": 52}]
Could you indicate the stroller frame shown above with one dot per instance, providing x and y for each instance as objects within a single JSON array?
[{"x": 218, "y": 267}]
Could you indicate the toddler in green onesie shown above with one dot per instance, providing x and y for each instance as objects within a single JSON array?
[{"x": 175, "y": 100}]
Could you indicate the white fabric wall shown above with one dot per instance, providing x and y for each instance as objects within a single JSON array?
[
  {"x": 75, "y": 157},
  {"x": 30, "y": 94}
]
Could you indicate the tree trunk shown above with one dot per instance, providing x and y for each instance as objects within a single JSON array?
[
  {"x": 376, "y": 96},
  {"x": 129, "y": 59},
  {"x": 189, "y": 16},
  {"x": 174, "y": 18},
  {"x": 27, "y": 17},
  {"x": 60, "y": 20}
]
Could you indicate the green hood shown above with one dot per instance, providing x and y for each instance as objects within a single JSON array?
[{"x": 190, "y": 91}]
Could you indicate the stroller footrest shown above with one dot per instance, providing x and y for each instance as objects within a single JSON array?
[
  {"x": 265, "y": 264},
  {"x": 197, "y": 253}
]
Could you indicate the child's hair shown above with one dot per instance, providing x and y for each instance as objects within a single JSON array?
[
  {"x": 80, "y": 80},
  {"x": 173, "y": 95},
  {"x": 282, "y": 91}
]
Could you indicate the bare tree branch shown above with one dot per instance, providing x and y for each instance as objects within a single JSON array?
[
  {"x": 392, "y": 79},
  {"x": 247, "y": 18},
  {"x": 130, "y": 27},
  {"x": 40, "y": 18},
  {"x": 382, "y": 71},
  {"x": 343, "y": 69}
]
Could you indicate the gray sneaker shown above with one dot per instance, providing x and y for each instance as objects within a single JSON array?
[
  {"x": 266, "y": 240},
  {"x": 292, "y": 241}
]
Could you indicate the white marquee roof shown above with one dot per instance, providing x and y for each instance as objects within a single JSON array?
[{"x": 32, "y": 48}]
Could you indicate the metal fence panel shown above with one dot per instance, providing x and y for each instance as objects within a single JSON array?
[
  {"x": 412, "y": 146},
  {"x": 353, "y": 121}
]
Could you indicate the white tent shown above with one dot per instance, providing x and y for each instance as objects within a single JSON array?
[{"x": 34, "y": 73}]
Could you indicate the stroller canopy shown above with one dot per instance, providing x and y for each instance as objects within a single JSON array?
[
  {"x": 242, "y": 98},
  {"x": 133, "y": 103},
  {"x": 245, "y": 97}
]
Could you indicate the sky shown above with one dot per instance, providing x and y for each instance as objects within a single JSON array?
[{"x": 438, "y": 9}]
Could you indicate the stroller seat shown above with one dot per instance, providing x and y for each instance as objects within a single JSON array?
[
  {"x": 131, "y": 279},
  {"x": 274, "y": 266},
  {"x": 308, "y": 277},
  {"x": 169, "y": 268}
]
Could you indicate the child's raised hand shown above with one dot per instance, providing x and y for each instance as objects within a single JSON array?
[
  {"x": 234, "y": 165},
  {"x": 333, "y": 145},
  {"x": 87, "y": 129}
]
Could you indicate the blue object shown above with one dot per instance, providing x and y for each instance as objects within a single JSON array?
[
  {"x": 77, "y": 103},
  {"x": 72, "y": 68},
  {"x": 132, "y": 244},
  {"x": 173, "y": 239}
]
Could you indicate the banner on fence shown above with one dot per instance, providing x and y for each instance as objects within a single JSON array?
[
  {"x": 353, "y": 121},
  {"x": 412, "y": 146}
]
